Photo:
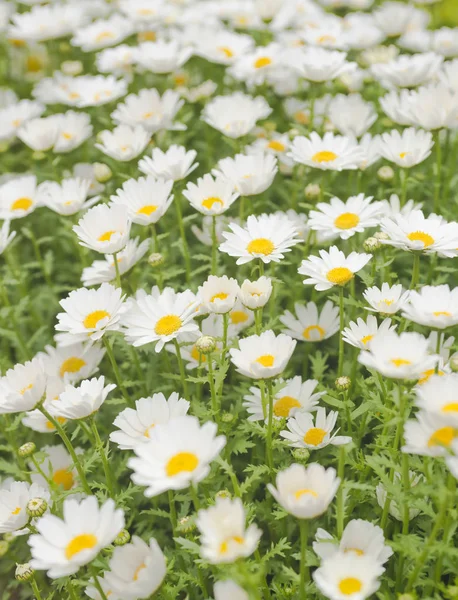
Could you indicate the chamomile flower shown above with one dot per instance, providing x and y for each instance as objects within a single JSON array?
[
  {"x": 39, "y": 134},
  {"x": 277, "y": 144},
  {"x": 223, "y": 47},
  {"x": 118, "y": 60},
  {"x": 306, "y": 430},
  {"x": 211, "y": 195},
  {"x": 104, "y": 271},
  {"x": 396, "y": 105},
  {"x": 13, "y": 116},
  {"x": 13, "y": 505},
  {"x": 68, "y": 197},
  {"x": 422, "y": 107},
  {"x": 408, "y": 70},
  {"x": 82, "y": 401},
  {"x": 72, "y": 363},
  {"x": 404, "y": 356},
  {"x": 147, "y": 199},
  {"x": 43, "y": 23},
  {"x": 57, "y": 465},
  {"x": 310, "y": 326},
  {"x": 6, "y": 237},
  {"x": 295, "y": 396},
  {"x": 235, "y": 115},
  {"x": 255, "y": 294},
  {"x": 392, "y": 206},
  {"x": 229, "y": 590},
  {"x": 89, "y": 314},
  {"x": 332, "y": 268},
  {"x": 82, "y": 91},
  {"x": 406, "y": 149},
  {"x": 434, "y": 306},
  {"x": 175, "y": 164},
  {"x": 135, "y": 425},
  {"x": 18, "y": 197},
  {"x": 429, "y": 434},
  {"x": 104, "y": 229},
  {"x": 218, "y": 294},
  {"x": 102, "y": 33},
  {"x": 361, "y": 333},
  {"x": 178, "y": 455},
  {"x": 224, "y": 535},
  {"x": 263, "y": 356},
  {"x": 394, "y": 509},
  {"x": 255, "y": 67},
  {"x": 438, "y": 396},
  {"x": 348, "y": 576},
  {"x": 150, "y": 110},
  {"x": 160, "y": 317},
  {"x": 62, "y": 546},
  {"x": 266, "y": 237},
  {"x": 418, "y": 233},
  {"x": 35, "y": 419},
  {"x": 137, "y": 569},
  {"x": 330, "y": 152},
  {"x": 359, "y": 537},
  {"x": 162, "y": 57},
  {"x": 319, "y": 64},
  {"x": 387, "y": 300},
  {"x": 351, "y": 115},
  {"x": 305, "y": 492},
  {"x": 250, "y": 174},
  {"x": 240, "y": 318},
  {"x": 345, "y": 218},
  {"x": 443, "y": 41},
  {"x": 124, "y": 143},
  {"x": 395, "y": 18},
  {"x": 22, "y": 387}
]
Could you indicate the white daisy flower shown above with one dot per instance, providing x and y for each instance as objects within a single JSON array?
[
  {"x": 319, "y": 64},
  {"x": 395, "y": 18},
  {"x": 224, "y": 47},
  {"x": 124, "y": 143},
  {"x": 229, "y": 590},
  {"x": 13, "y": 505},
  {"x": 22, "y": 387},
  {"x": 104, "y": 271},
  {"x": 443, "y": 41},
  {"x": 434, "y": 306},
  {"x": 161, "y": 56},
  {"x": 224, "y": 536},
  {"x": 387, "y": 300},
  {"x": 18, "y": 197},
  {"x": 58, "y": 466},
  {"x": 89, "y": 314},
  {"x": 295, "y": 396},
  {"x": 257, "y": 66},
  {"x": 406, "y": 149},
  {"x": 62, "y": 546},
  {"x": 330, "y": 152},
  {"x": 82, "y": 401},
  {"x": 43, "y": 23},
  {"x": 266, "y": 237},
  {"x": 104, "y": 229},
  {"x": 263, "y": 356},
  {"x": 16, "y": 114},
  {"x": 396, "y": 105},
  {"x": 150, "y": 110},
  {"x": 305, "y": 492},
  {"x": 250, "y": 174},
  {"x": 147, "y": 199},
  {"x": 135, "y": 425},
  {"x": 332, "y": 268},
  {"x": 255, "y": 294},
  {"x": 422, "y": 107},
  {"x": 218, "y": 294},
  {"x": 39, "y": 134},
  {"x": 438, "y": 396},
  {"x": 395, "y": 510},
  {"x": 198, "y": 92},
  {"x": 277, "y": 144},
  {"x": 361, "y": 333},
  {"x": 240, "y": 318},
  {"x": 68, "y": 197},
  {"x": 102, "y": 33},
  {"x": 159, "y": 317},
  {"x": 118, "y": 60},
  {"x": 429, "y": 434},
  {"x": 408, "y": 71},
  {"x": 72, "y": 130},
  {"x": 178, "y": 455},
  {"x": 404, "y": 356},
  {"x": 235, "y": 115},
  {"x": 310, "y": 326},
  {"x": 211, "y": 195},
  {"x": 392, "y": 207},
  {"x": 313, "y": 431},
  {"x": 72, "y": 363},
  {"x": 83, "y": 91},
  {"x": 86, "y": 171},
  {"x": 345, "y": 218},
  {"x": 6, "y": 237},
  {"x": 175, "y": 164},
  {"x": 359, "y": 537},
  {"x": 351, "y": 115}
]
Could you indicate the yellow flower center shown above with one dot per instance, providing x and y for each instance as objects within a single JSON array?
[
  {"x": 85, "y": 541},
  {"x": 301, "y": 117},
  {"x": 442, "y": 437},
  {"x": 148, "y": 115},
  {"x": 67, "y": 136},
  {"x": 266, "y": 360},
  {"x": 92, "y": 319},
  {"x": 366, "y": 339},
  {"x": 263, "y": 61},
  {"x": 283, "y": 406},
  {"x": 403, "y": 154},
  {"x": 146, "y": 36},
  {"x": 450, "y": 407},
  {"x": 225, "y": 545},
  {"x": 22, "y": 204},
  {"x": 400, "y": 362},
  {"x": 104, "y": 35},
  {"x": 260, "y": 246},
  {"x": 63, "y": 477},
  {"x": 313, "y": 332},
  {"x": 34, "y": 64},
  {"x": 323, "y": 39},
  {"x": 442, "y": 313},
  {"x": 324, "y": 156},
  {"x": 180, "y": 463},
  {"x": 238, "y": 316},
  {"x": 277, "y": 146},
  {"x": 421, "y": 236},
  {"x": 226, "y": 51},
  {"x": 147, "y": 210},
  {"x": 16, "y": 511},
  {"x": 60, "y": 420},
  {"x": 168, "y": 325},
  {"x": 210, "y": 201},
  {"x": 314, "y": 436},
  {"x": 427, "y": 374},
  {"x": 137, "y": 571},
  {"x": 339, "y": 275},
  {"x": 106, "y": 237},
  {"x": 346, "y": 221},
  {"x": 355, "y": 551},
  {"x": 71, "y": 365},
  {"x": 350, "y": 585},
  {"x": 304, "y": 491},
  {"x": 221, "y": 296},
  {"x": 387, "y": 302}
]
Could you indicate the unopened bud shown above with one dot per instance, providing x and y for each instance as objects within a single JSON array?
[
  {"x": 312, "y": 191},
  {"x": 122, "y": 538},
  {"x": 293, "y": 132},
  {"x": 343, "y": 383},
  {"x": 186, "y": 525},
  {"x": 3, "y": 547},
  {"x": 23, "y": 572},
  {"x": 36, "y": 507},
  {"x": 301, "y": 454},
  {"x": 27, "y": 450},
  {"x": 102, "y": 172},
  {"x": 227, "y": 417},
  {"x": 64, "y": 47},
  {"x": 329, "y": 126},
  {"x": 206, "y": 344},
  {"x": 385, "y": 173},
  {"x": 372, "y": 244},
  {"x": 270, "y": 125},
  {"x": 38, "y": 155},
  {"x": 381, "y": 235},
  {"x": 407, "y": 597},
  {"x": 71, "y": 67},
  {"x": 4, "y": 146},
  {"x": 223, "y": 494},
  {"x": 454, "y": 363},
  {"x": 155, "y": 259}
]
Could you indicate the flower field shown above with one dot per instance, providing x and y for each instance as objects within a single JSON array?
[{"x": 228, "y": 299}]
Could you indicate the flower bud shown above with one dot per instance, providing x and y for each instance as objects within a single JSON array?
[
  {"x": 27, "y": 449},
  {"x": 206, "y": 344},
  {"x": 4, "y": 146},
  {"x": 23, "y": 572},
  {"x": 222, "y": 494},
  {"x": 372, "y": 244},
  {"x": 102, "y": 172},
  {"x": 38, "y": 155},
  {"x": 312, "y": 191},
  {"x": 71, "y": 67},
  {"x": 301, "y": 454},
  {"x": 36, "y": 507},
  {"x": 407, "y": 597},
  {"x": 64, "y": 47},
  {"x": 155, "y": 259},
  {"x": 381, "y": 235},
  {"x": 270, "y": 125},
  {"x": 122, "y": 538},
  {"x": 227, "y": 417},
  {"x": 385, "y": 173},
  {"x": 293, "y": 132},
  {"x": 3, "y": 547},
  {"x": 186, "y": 525},
  {"x": 343, "y": 383},
  {"x": 454, "y": 363}
]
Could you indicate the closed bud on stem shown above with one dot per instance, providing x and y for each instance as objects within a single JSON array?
[
  {"x": 102, "y": 172},
  {"x": 186, "y": 525},
  {"x": 36, "y": 507},
  {"x": 385, "y": 173},
  {"x": 27, "y": 449},
  {"x": 71, "y": 67},
  {"x": 381, "y": 235},
  {"x": 301, "y": 454},
  {"x": 206, "y": 344},
  {"x": 38, "y": 155},
  {"x": 227, "y": 417},
  {"x": 343, "y": 383},
  {"x": 312, "y": 191},
  {"x": 23, "y": 572},
  {"x": 270, "y": 126},
  {"x": 122, "y": 538},
  {"x": 372, "y": 244},
  {"x": 155, "y": 259},
  {"x": 222, "y": 494}
]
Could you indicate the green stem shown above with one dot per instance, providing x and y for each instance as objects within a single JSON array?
[
  {"x": 437, "y": 182},
  {"x": 101, "y": 450},
  {"x": 415, "y": 271},
  {"x": 304, "y": 571},
  {"x": 97, "y": 582},
  {"x": 270, "y": 415},
  {"x": 341, "y": 327},
  {"x": 258, "y": 320},
  {"x": 403, "y": 176},
  {"x": 438, "y": 349},
  {"x": 35, "y": 589},
  {"x": 71, "y": 590},
  {"x": 447, "y": 525},
  {"x": 116, "y": 266},
  {"x": 48, "y": 480},
  {"x": 173, "y": 512},
  {"x": 211, "y": 381},
  {"x": 214, "y": 246},
  {"x": 340, "y": 492},
  {"x": 187, "y": 260},
  {"x": 115, "y": 368},
  {"x": 184, "y": 383},
  {"x": 195, "y": 498}
]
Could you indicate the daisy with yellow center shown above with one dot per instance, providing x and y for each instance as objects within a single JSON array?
[
  {"x": 332, "y": 268},
  {"x": 18, "y": 197},
  {"x": 104, "y": 228},
  {"x": 332, "y": 152},
  {"x": 433, "y": 306},
  {"x": 14, "y": 498},
  {"x": 430, "y": 433},
  {"x": 361, "y": 333},
  {"x": 262, "y": 356},
  {"x": 306, "y": 324},
  {"x": 308, "y": 431},
  {"x": 218, "y": 294},
  {"x": 211, "y": 195},
  {"x": 438, "y": 395}
]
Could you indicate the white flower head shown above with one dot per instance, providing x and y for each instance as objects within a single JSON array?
[
  {"x": 255, "y": 294},
  {"x": 218, "y": 294},
  {"x": 175, "y": 164},
  {"x": 308, "y": 325},
  {"x": 82, "y": 401},
  {"x": 361, "y": 333},
  {"x": 330, "y": 152},
  {"x": 124, "y": 143},
  {"x": 68, "y": 197},
  {"x": 104, "y": 229},
  {"x": 147, "y": 199},
  {"x": 18, "y": 197},
  {"x": 250, "y": 174},
  {"x": 429, "y": 434},
  {"x": 434, "y": 306},
  {"x": 235, "y": 115},
  {"x": 332, "y": 268},
  {"x": 211, "y": 195},
  {"x": 22, "y": 387},
  {"x": 13, "y": 505},
  {"x": 313, "y": 431},
  {"x": 150, "y": 110},
  {"x": 162, "y": 56},
  {"x": 406, "y": 149},
  {"x": 263, "y": 356}
]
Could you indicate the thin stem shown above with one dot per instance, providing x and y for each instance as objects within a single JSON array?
[
  {"x": 403, "y": 176},
  {"x": 71, "y": 590},
  {"x": 97, "y": 582},
  {"x": 173, "y": 512},
  {"x": 115, "y": 368},
  {"x": 258, "y": 320},
  {"x": 341, "y": 341},
  {"x": 304, "y": 570},
  {"x": 69, "y": 447},
  {"x": 35, "y": 589},
  {"x": 187, "y": 260},
  {"x": 103, "y": 457},
  {"x": 184, "y": 383},
  {"x": 214, "y": 246},
  {"x": 415, "y": 270},
  {"x": 437, "y": 183},
  {"x": 225, "y": 330},
  {"x": 211, "y": 381},
  {"x": 340, "y": 492},
  {"x": 116, "y": 266},
  {"x": 438, "y": 349},
  {"x": 195, "y": 498},
  {"x": 242, "y": 208},
  {"x": 270, "y": 415},
  {"x": 48, "y": 479}
]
